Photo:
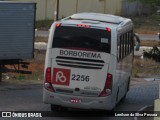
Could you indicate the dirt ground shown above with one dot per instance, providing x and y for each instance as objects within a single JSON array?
[
  {"x": 36, "y": 67},
  {"x": 145, "y": 68}
]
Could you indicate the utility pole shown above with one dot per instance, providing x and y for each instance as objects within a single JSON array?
[
  {"x": 57, "y": 9},
  {"x": 56, "y": 12},
  {"x": 159, "y": 32},
  {"x": 46, "y": 1},
  {"x": 77, "y": 6},
  {"x": 158, "y": 12}
]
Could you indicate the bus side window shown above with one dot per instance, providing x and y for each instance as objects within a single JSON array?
[
  {"x": 131, "y": 41},
  {"x": 128, "y": 37},
  {"x": 120, "y": 47},
  {"x": 137, "y": 42},
  {"x": 123, "y": 46}
]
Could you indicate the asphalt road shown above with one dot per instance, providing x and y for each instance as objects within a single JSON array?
[
  {"x": 149, "y": 37},
  {"x": 29, "y": 98}
]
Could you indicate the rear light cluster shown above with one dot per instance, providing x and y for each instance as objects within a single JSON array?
[
  {"x": 108, "y": 29},
  {"x": 88, "y": 26},
  {"x": 108, "y": 86},
  {"x": 48, "y": 84},
  {"x": 83, "y": 25},
  {"x": 58, "y": 25}
]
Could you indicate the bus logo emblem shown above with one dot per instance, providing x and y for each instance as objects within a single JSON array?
[{"x": 61, "y": 76}]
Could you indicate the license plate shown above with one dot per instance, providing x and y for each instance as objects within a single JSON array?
[{"x": 75, "y": 100}]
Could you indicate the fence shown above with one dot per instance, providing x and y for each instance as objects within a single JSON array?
[{"x": 135, "y": 8}]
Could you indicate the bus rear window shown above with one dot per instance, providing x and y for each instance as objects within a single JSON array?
[{"x": 82, "y": 39}]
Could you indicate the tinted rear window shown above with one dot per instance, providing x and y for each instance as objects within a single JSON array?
[{"x": 82, "y": 38}]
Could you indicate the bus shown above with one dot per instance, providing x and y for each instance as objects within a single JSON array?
[{"x": 88, "y": 61}]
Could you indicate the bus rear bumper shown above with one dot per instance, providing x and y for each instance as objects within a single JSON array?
[{"x": 81, "y": 102}]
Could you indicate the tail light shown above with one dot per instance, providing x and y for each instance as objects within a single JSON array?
[
  {"x": 58, "y": 25},
  {"x": 108, "y": 86},
  {"x": 83, "y": 25},
  {"x": 108, "y": 29},
  {"x": 48, "y": 75},
  {"x": 48, "y": 84}
]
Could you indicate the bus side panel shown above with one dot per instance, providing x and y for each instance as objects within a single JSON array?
[
  {"x": 125, "y": 60},
  {"x": 123, "y": 73}
]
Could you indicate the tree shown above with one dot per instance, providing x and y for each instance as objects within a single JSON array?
[{"x": 153, "y": 2}]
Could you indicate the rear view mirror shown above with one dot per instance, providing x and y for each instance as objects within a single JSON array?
[
  {"x": 159, "y": 36},
  {"x": 137, "y": 46},
  {"x": 137, "y": 41}
]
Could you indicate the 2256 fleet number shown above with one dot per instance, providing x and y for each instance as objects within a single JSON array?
[{"x": 80, "y": 77}]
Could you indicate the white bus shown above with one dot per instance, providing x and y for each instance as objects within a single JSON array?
[{"x": 88, "y": 61}]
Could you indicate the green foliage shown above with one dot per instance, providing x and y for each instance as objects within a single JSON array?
[
  {"x": 21, "y": 77},
  {"x": 153, "y": 54},
  {"x": 149, "y": 1},
  {"x": 156, "y": 2},
  {"x": 44, "y": 24}
]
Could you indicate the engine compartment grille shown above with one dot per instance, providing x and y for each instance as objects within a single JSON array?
[{"x": 80, "y": 62}]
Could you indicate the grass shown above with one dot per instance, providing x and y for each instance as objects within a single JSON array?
[
  {"x": 44, "y": 24},
  {"x": 150, "y": 43},
  {"x": 41, "y": 39},
  {"x": 147, "y": 24},
  {"x": 145, "y": 68}
]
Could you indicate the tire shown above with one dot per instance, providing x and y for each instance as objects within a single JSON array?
[
  {"x": 58, "y": 108},
  {"x": 110, "y": 112},
  {"x": 54, "y": 108},
  {"x": 123, "y": 98},
  {"x": 128, "y": 87}
]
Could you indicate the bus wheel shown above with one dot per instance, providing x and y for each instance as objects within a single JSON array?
[
  {"x": 58, "y": 108},
  {"x": 55, "y": 108},
  {"x": 123, "y": 98},
  {"x": 110, "y": 112}
]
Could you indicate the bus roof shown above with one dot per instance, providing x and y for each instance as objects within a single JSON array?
[{"x": 98, "y": 19}]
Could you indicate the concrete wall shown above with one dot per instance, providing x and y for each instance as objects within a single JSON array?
[
  {"x": 46, "y": 8},
  {"x": 69, "y": 7},
  {"x": 113, "y": 6}
]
